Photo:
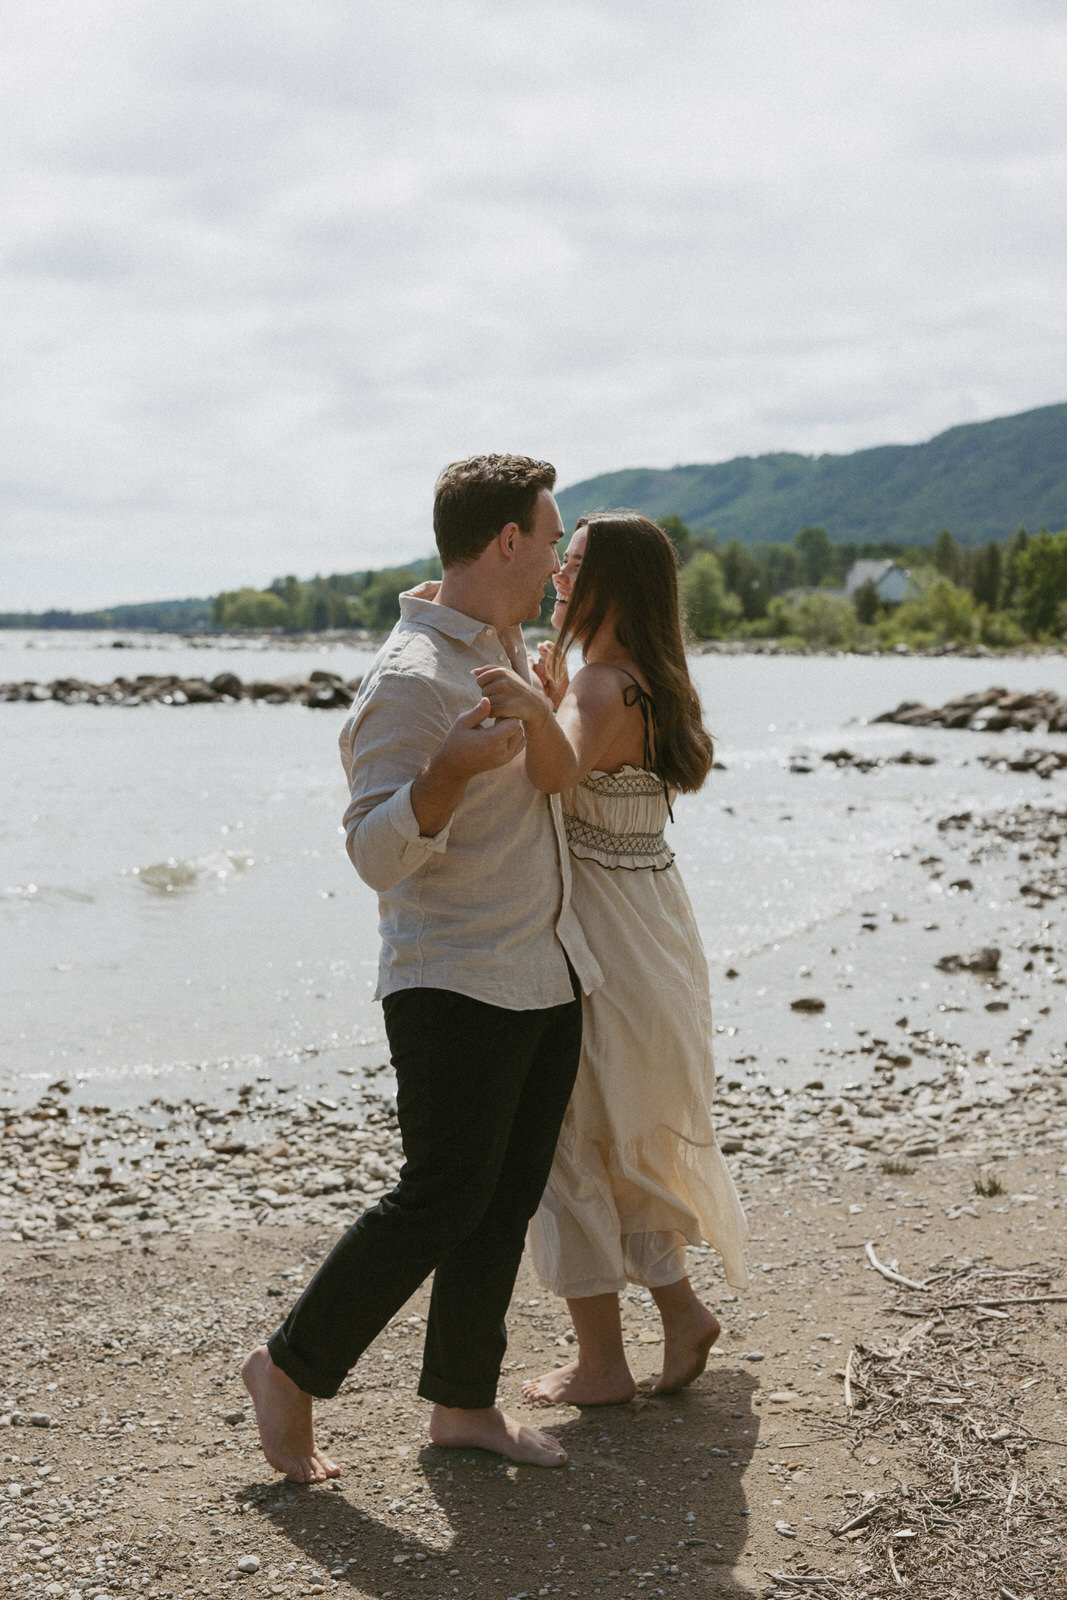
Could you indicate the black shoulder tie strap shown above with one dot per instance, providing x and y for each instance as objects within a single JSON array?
[{"x": 635, "y": 695}]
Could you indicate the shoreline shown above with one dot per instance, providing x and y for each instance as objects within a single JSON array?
[
  {"x": 360, "y": 639},
  {"x": 900, "y": 1036}
]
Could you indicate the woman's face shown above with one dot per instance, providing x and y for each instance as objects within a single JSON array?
[{"x": 566, "y": 576}]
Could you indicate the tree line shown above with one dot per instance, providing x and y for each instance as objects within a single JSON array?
[
  {"x": 368, "y": 600},
  {"x": 999, "y": 595}
]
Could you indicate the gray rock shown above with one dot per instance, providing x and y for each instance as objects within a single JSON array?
[{"x": 987, "y": 959}]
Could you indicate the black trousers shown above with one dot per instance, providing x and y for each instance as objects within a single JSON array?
[{"x": 481, "y": 1093}]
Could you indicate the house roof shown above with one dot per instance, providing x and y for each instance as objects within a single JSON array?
[{"x": 862, "y": 572}]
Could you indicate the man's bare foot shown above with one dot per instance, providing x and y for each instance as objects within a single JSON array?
[
  {"x": 577, "y": 1385},
  {"x": 489, "y": 1428},
  {"x": 284, "y": 1415},
  {"x": 686, "y": 1342}
]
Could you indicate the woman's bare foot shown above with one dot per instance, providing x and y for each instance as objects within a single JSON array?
[
  {"x": 577, "y": 1385},
  {"x": 284, "y": 1415},
  {"x": 489, "y": 1428},
  {"x": 600, "y": 1376},
  {"x": 687, "y": 1338}
]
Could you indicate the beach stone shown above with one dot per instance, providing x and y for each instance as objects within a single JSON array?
[
  {"x": 198, "y": 693},
  {"x": 265, "y": 690},
  {"x": 986, "y": 959},
  {"x": 227, "y": 683},
  {"x": 248, "y": 1564}
]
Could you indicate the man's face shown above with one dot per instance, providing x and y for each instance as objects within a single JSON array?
[{"x": 537, "y": 558}]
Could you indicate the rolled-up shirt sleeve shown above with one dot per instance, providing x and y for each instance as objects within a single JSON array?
[{"x": 384, "y": 747}]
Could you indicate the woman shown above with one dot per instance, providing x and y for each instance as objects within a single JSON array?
[{"x": 637, "y": 1172}]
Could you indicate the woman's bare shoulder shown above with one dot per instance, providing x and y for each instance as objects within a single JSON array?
[{"x": 603, "y": 680}]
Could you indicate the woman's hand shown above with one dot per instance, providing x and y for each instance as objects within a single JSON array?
[
  {"x": 511, "y": 696},
  {"x": 540, "y": 666}
]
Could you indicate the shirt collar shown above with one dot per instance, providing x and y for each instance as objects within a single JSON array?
[{"x": 418, "y": 605}]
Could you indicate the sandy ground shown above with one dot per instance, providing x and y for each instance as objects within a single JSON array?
[
  {"x": 149, "y": 1479},
  {"x": 142, "y": 1256}
]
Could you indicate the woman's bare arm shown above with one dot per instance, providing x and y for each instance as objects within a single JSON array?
[{"x": 561, "y": 749}]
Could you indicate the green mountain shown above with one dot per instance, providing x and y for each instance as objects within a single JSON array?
[{"x": 982, "y": 481}]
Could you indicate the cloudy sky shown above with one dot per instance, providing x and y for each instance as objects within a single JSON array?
[{"x": 266, "y": 268}]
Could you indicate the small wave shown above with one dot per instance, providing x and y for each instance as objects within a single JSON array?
[
  {"x": 44, "y": 894},
  {"x": 174, "y": 874}
]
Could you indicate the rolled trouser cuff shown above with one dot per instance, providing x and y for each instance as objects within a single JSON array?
[
  {"x": 465, "y": 1397},
  {"x": 286, "y": 1359}
]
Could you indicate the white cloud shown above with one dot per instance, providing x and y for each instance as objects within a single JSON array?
[{"x": 268, "y": 269}]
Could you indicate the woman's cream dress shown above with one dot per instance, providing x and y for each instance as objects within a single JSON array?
[{"x": 638, "y": 1172}]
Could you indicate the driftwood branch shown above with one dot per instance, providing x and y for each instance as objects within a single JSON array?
[
  {"x": 1011, "y": 1497},
  {"x": 802, "y": 1579},
  {"x": 892, "y": 1563},
  {"x": 984, "y": 1304},
  {"x": 858, "y": 1521},
  {"x": 887, "y": 1272}
]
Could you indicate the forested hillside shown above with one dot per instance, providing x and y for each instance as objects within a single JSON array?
[{"x": 981, "y": 481}]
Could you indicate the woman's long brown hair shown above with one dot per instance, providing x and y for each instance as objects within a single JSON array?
[{"x": 629, "y": 574}]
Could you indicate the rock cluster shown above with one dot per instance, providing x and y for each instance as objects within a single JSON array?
[
  {"x": 323, "y": 691},
  {"x": 1043, "y": 763},
  {"x": 93, "y": 1172},
  {"x": 987, "y": 711},
  {"x": 269, "y": 1157},
  {"x": 906, "y": 758},
  {"x": 1039, "y": 834}
]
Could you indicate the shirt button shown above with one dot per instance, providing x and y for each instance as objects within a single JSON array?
[{"x": 503, "y": 658}]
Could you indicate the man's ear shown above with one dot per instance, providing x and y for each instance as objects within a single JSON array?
[{"x": 507, "y": 539}]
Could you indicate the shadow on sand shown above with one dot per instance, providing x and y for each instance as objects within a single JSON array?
[{"x": 653, "y": 1501}]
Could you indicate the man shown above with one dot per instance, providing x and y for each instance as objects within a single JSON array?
[{"x": 480, "y": 952}]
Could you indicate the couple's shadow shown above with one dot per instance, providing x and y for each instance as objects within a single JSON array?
[{"x": 654, "y": 1491}]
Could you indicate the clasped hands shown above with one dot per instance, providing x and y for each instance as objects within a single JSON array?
[{"x": 511, "y": 696}]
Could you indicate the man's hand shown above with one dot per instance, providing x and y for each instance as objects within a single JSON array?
[
  {"x": 512, "y": 696},
  {"x": 469, "y": 747}
]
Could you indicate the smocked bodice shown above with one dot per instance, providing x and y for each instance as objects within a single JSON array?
[{"x": 617, "y": 819}]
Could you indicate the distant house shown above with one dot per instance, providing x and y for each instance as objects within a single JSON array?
[{"x": 890, "y": 582}]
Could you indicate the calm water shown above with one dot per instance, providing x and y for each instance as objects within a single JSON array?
[{"x": 176, "y": 908}]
